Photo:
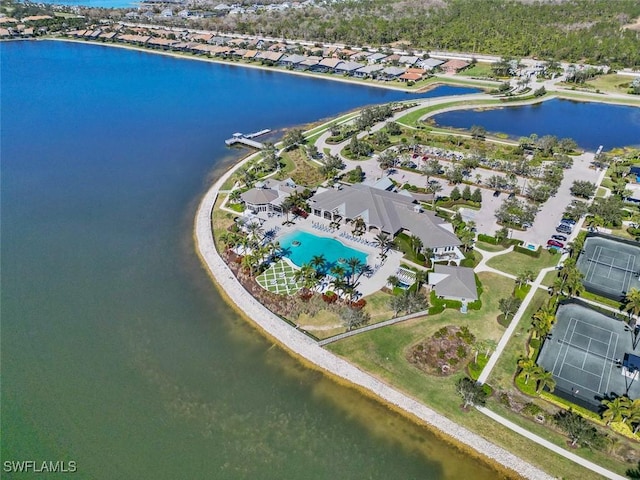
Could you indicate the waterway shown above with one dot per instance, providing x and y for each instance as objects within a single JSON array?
[
  {"x": 116, "y": 351},
  {"x": 590, "y": 124}
]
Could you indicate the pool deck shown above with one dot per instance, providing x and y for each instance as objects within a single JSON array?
[{"x": 367, "y": 285}]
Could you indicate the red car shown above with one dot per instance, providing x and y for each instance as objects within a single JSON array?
[{"x": 555, "y": 243}]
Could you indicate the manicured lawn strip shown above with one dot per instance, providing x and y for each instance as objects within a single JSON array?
[
  {"x": 382, "y": 353},
  {"x": 610, "y": 83},
  {"x": 549, "y": 278},
  {"x": 324, "y": 320},
  {"x": 515, "y": 262},
  {"x": 601, "y": 192},
  {"x": 600, "y": 299},
  {"x": 489, "y": 247},
  {"x": 221, "y": 220},
  {"x": 410, "y": 119}
]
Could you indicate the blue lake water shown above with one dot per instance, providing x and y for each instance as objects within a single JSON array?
[
  {"x": 589, "y": 124},
  {"x": 116, "y": 350},
  {"x": 309, "y": 245}
]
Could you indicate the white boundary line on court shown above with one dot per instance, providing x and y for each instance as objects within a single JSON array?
[{"x": 594, "y": 261}]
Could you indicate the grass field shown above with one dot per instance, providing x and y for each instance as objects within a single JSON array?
[
  {"x": 516, "y": 263},
  {"x": 300, "y": 169},
  {"x": 489, "y": 247},
  {"x": 480, "y": 70},
  {"x": 382, "y": 353},
  {"x": 610, "y": 83}
]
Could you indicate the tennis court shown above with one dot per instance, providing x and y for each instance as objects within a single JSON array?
[
  {"x": 584, "y": 354},
  {"x": 610, "y": 267}
]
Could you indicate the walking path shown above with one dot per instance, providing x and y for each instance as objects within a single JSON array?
[
  {"x": 512, "y": 326},
  {"x": 306, "y": 348},
  {"x": 551, "y": 446},
  {"x": 368, "y": 328}
]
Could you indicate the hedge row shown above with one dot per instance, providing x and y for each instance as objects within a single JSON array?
[{"x": 532, "y": 253}]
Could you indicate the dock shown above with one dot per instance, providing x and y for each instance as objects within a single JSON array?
[{"x": 247, "y": 139}]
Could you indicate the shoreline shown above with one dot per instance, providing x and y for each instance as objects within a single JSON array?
[
  {"x": 310, "y": 354},
  {"x": 564, "y": 93}
]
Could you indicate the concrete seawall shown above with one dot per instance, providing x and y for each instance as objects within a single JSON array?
[{"x": 307, "y": 349}]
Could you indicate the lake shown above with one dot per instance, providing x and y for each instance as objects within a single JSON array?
[
  {"x": 590, "y": 124},
  {"x": 117, "y": 351}
]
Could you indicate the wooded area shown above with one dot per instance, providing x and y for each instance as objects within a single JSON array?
[{"x": 576, "y": 30}]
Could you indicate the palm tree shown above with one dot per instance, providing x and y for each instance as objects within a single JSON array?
[
  {"x": 416, "y": 244},
  {"x": 338, "y": 271},
  {"x": 433, "y": 187},
  {"x": 255, "y": 230},
  {"x": 528, "y": 368},
  {"x": 318, "y": 262},
  {"x": 359, "y": 226},
  {"x": 616, "y": 410},
  {"x": 542, "y": 322},
  {"x": 524, "y": 278},
  {"x": 383, "y": 241},
  {"x": 421, "y": 277},
  {"x": 632, "y": 302},
  {"x": 354, "y": 264},
  {"x": 393, "y": 281},
  {"x": 544, "y": 379},
  {"x": 466, "y": 237},
  {"x": 634, "y": 415},
  {"x": 287, "y": 205},
  {"x": 573, "y": 284}
]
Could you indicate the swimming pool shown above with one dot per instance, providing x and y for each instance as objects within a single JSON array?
[{"x": 300, "y": 247}]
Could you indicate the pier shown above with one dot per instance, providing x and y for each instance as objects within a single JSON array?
[{"x": 247, "y": 139}]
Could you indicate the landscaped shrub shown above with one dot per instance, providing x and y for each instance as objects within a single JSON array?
[
  {"x": 468, "y": 262},
  {"x": 476, "y": 305},
  {"x": 436, "y": 309},
  {"x": 526, "y": 251},
  {"x": 487, "y": 239},
  {"x": 531, "y": 409},
  {"x": 330, "y": 297}
]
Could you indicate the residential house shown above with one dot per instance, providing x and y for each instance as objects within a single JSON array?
[
  {"x": 408, "y": 60},
  {"x": 292, "y": 60},
  {"x": 429, "y": 63},
  {"x": 376, "y": 58},
  {"x": 454, "y": 65},
  {"x": 412, "y": 75},
  {"x": 348, "y": 67},
  {"x": 369, "y": 71},
  {"x": 391, "y": 73}
]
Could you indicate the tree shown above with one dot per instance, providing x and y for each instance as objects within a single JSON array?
[
  {"x": 542, "y": 321},
  {"x": 454, "y": 174},
  {"x": 430, "y": 168},
  {"x": 416, "y": 244},
  {"x": 476, "y": 196},
  {"x": 318, "y": 262},
  {"x": 433, "y": 187},
  {"x": 576, "y": 209},
  {"x": 501, "y": 235},
  {"x": 354, "y": 263},
  {"x": 634, "y": 415},
  {"x": 293, "y": 138},
  {"x": 393, "y": 128},
  {"x": 455, "y": 194},
  {"x": 515, "y": 212},
  {"x": 524, "y": 278},
  {"x": 354, "y": 317},
  {"x": 632, "y": 302},
  {"x": 467, "y": 237},
  {"x": 393, "y": 281},
  {"x": 578, "y": 429},
  {"x": 509, "y": 306},
  {"x": 583, "y": 189},
  {"x": 466, "y": 193},
  {"x": 527, "y": 368},
  {"x": 616, "y": 410},
  {"x": 478, "y": 132},
  {"x": 383, "y": 241},
  {"x": 609, "y": 209},
  {"x": 471, "y": 392},
  {"x": 544, "y": 379}
]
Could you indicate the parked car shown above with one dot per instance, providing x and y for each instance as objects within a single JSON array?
[
  {"x": 568, "y": 221},
  {"x": 496, "y": 193},
  {"x": 564, "y": 228},
  {"x": 560, "y": 238},
  {"x": 511, "y": 195},
  {"x": 554, "y": 243}
]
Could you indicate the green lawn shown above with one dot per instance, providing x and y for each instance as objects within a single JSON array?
[
  {"x": 481, "y": 70},
  {"x": 382, "y": 353},
  {"x": 411, "y": 119},
  {"x": 489, "y": 247},
  {"x": 378, "y": 306},
  {"x": 610, "y": 83},
  {"x": 516, "y": 263}
]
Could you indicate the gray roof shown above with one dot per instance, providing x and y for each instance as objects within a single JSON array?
[
  {"x": 370, "y": 69},
  {"x": 293, "y": 59},
  {"x": 376, "y": 57},
  {"x": 430, "y": 62},
  {"x": 388, "y": 211},
  {"x": 430, "y": 229},
  {"x": 259, "y": 196},
  {"x": 394, "y": 71},
  {"x": 408, "y": 59},
  {"x": 349, "y": 66},
  {"x": 454, "y": 282},
  {"x": 330, "y": 62}
]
